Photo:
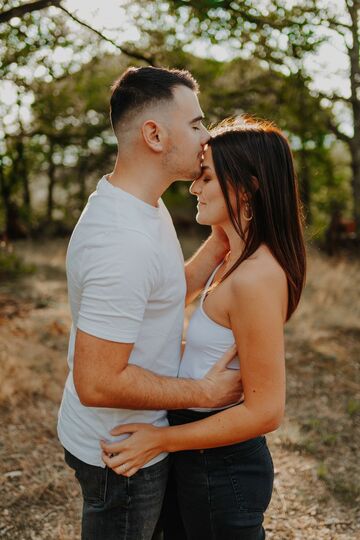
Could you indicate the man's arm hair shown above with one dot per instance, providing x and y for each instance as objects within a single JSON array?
[{"x": 104, "y": 378}]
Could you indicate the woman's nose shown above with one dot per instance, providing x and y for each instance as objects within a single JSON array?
[{"x": 194, "y": 188}]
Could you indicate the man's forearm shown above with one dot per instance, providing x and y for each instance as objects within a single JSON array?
[
  {"x": 140, "y": 389},
  {"x": 199, "y": 267},
  {"x": 103, "y": 378}
]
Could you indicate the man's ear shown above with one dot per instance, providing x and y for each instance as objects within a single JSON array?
[{"x": 153, "y": 135}]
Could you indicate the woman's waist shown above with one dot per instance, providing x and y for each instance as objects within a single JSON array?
[{"x": 186, "y": 416}]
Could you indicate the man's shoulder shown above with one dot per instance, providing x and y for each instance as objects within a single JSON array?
[
  {"x": 116, "y": 239},
  {"x": 111, "y": 220}
]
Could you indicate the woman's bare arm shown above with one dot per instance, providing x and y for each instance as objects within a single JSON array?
[
  {"x": 257, "y": 319},
  {"x": 256, "y": 315},
  {"x": 199, "y": 267}
]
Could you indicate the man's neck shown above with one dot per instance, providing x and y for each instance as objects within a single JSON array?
[{"x": 145, "y": 183}]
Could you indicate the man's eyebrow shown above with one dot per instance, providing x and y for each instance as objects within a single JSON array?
[{"x": 197, "y": 119}]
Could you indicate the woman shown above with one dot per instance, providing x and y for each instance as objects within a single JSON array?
[{"x": 223, "y": 468}]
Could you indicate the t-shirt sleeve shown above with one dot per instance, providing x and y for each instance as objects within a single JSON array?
[{"x": 118, "y": 276}]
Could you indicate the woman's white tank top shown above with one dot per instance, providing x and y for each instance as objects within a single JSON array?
[{"x": 206, "y": 342}]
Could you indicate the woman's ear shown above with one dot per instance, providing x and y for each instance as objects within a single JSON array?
[
  {"x": 255, "y": 182},
  {"x": 246, "y": 195},
  {"x": 153, "y": 134}
]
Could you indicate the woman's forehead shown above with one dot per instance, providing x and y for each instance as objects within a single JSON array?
[{"x": 208, "y": 161}]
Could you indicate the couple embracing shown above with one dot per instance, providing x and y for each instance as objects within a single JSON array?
[{"x": 168, "y": 441}]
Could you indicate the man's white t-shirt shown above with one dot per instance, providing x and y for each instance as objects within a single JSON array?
[{"x": 126, "y": 283}]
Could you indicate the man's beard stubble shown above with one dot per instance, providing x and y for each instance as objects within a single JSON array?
[{"x": 173, "y": 161}]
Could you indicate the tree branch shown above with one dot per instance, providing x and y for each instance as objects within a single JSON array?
[
  {"x": 20, "y": 11},
  {"x": 339, "y": 134},
  {"x": 148, "y": 59},
  {"x": 335, "y": 25},
  {"x": 333, "y": 96}
]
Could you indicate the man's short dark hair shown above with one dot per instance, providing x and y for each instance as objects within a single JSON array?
[{"x": 144, "y": 86}]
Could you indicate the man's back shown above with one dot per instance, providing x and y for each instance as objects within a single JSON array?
[{"x": 126, "y": 284}]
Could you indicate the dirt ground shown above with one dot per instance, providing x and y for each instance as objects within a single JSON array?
[{"x": 315, "y": 452}]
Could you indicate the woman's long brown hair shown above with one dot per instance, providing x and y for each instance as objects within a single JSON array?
[{"x": 254, "y": 158}]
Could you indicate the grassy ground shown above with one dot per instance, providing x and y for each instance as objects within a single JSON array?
[{"x": 317, "y": 482}]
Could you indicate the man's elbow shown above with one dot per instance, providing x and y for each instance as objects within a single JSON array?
[
  {"x": 89, "y": 393},
  {"x": 89, "y": 399}
]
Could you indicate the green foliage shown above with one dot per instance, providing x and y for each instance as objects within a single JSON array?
[
  {"x": 39, "y": 48},
  {"x": 353, "y": 407},
  {"x": 33, "y": 40},
  {"x": 280, "y": 35},
  {"x": 11, "y": 265},
  {"x": 50, "y": 162},
  {"x": 244, "y": 86},
  {"x": 271, "y": 31},
  {"x": 322, "y": 471}
]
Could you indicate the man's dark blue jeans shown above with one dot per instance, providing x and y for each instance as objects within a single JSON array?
[{"x": 116, "y": 507}]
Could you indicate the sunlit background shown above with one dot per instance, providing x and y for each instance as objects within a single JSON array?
[
  {"x": 287, "y": 60},
  {"x": 328, "y": 66},
  {"x": 293, "y": 62}
]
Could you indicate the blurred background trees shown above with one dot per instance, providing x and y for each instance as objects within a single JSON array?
[{"x": 56, "y": 71}]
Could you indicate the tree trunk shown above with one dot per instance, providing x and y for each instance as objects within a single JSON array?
[
  {"x": 13, "y": 226},
  {"x": 82, "y": 182},
  {"x": 354, "y": 51},
  {"x": 51, "y": 183},
  {"x": 355, "y": 167},
  {"x": 304, "y": 170},
  {"x": 24, "y": 179},
  {"x": 4, "y": 198},
  {"x": 304, "y": 184}
]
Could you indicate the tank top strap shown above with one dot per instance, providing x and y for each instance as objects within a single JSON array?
[{"x": 209, "y": 283}]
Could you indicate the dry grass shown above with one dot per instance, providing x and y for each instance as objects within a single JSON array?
[
  {"x": 323, "y": 343},
  {"x": 332, "y": 295},
  {"x": 315, "y": 452}
]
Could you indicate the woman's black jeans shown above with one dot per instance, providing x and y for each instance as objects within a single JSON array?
[{"x": 222, "y": 493}]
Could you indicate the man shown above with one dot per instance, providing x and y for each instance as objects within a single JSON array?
[{"x": 126, "y": 291}]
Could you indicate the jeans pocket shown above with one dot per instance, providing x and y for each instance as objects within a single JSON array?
[
  {"x": 93, "y": 480},
  {"x": 251, "y": 475}
]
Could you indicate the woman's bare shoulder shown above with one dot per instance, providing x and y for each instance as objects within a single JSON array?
[{"x": 260, "y": 272}]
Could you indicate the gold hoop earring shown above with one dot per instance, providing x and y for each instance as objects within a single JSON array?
[{"x": 248, "y": 210}]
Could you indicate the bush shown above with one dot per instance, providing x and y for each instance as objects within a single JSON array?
[{"x": 11, "y": 265}]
